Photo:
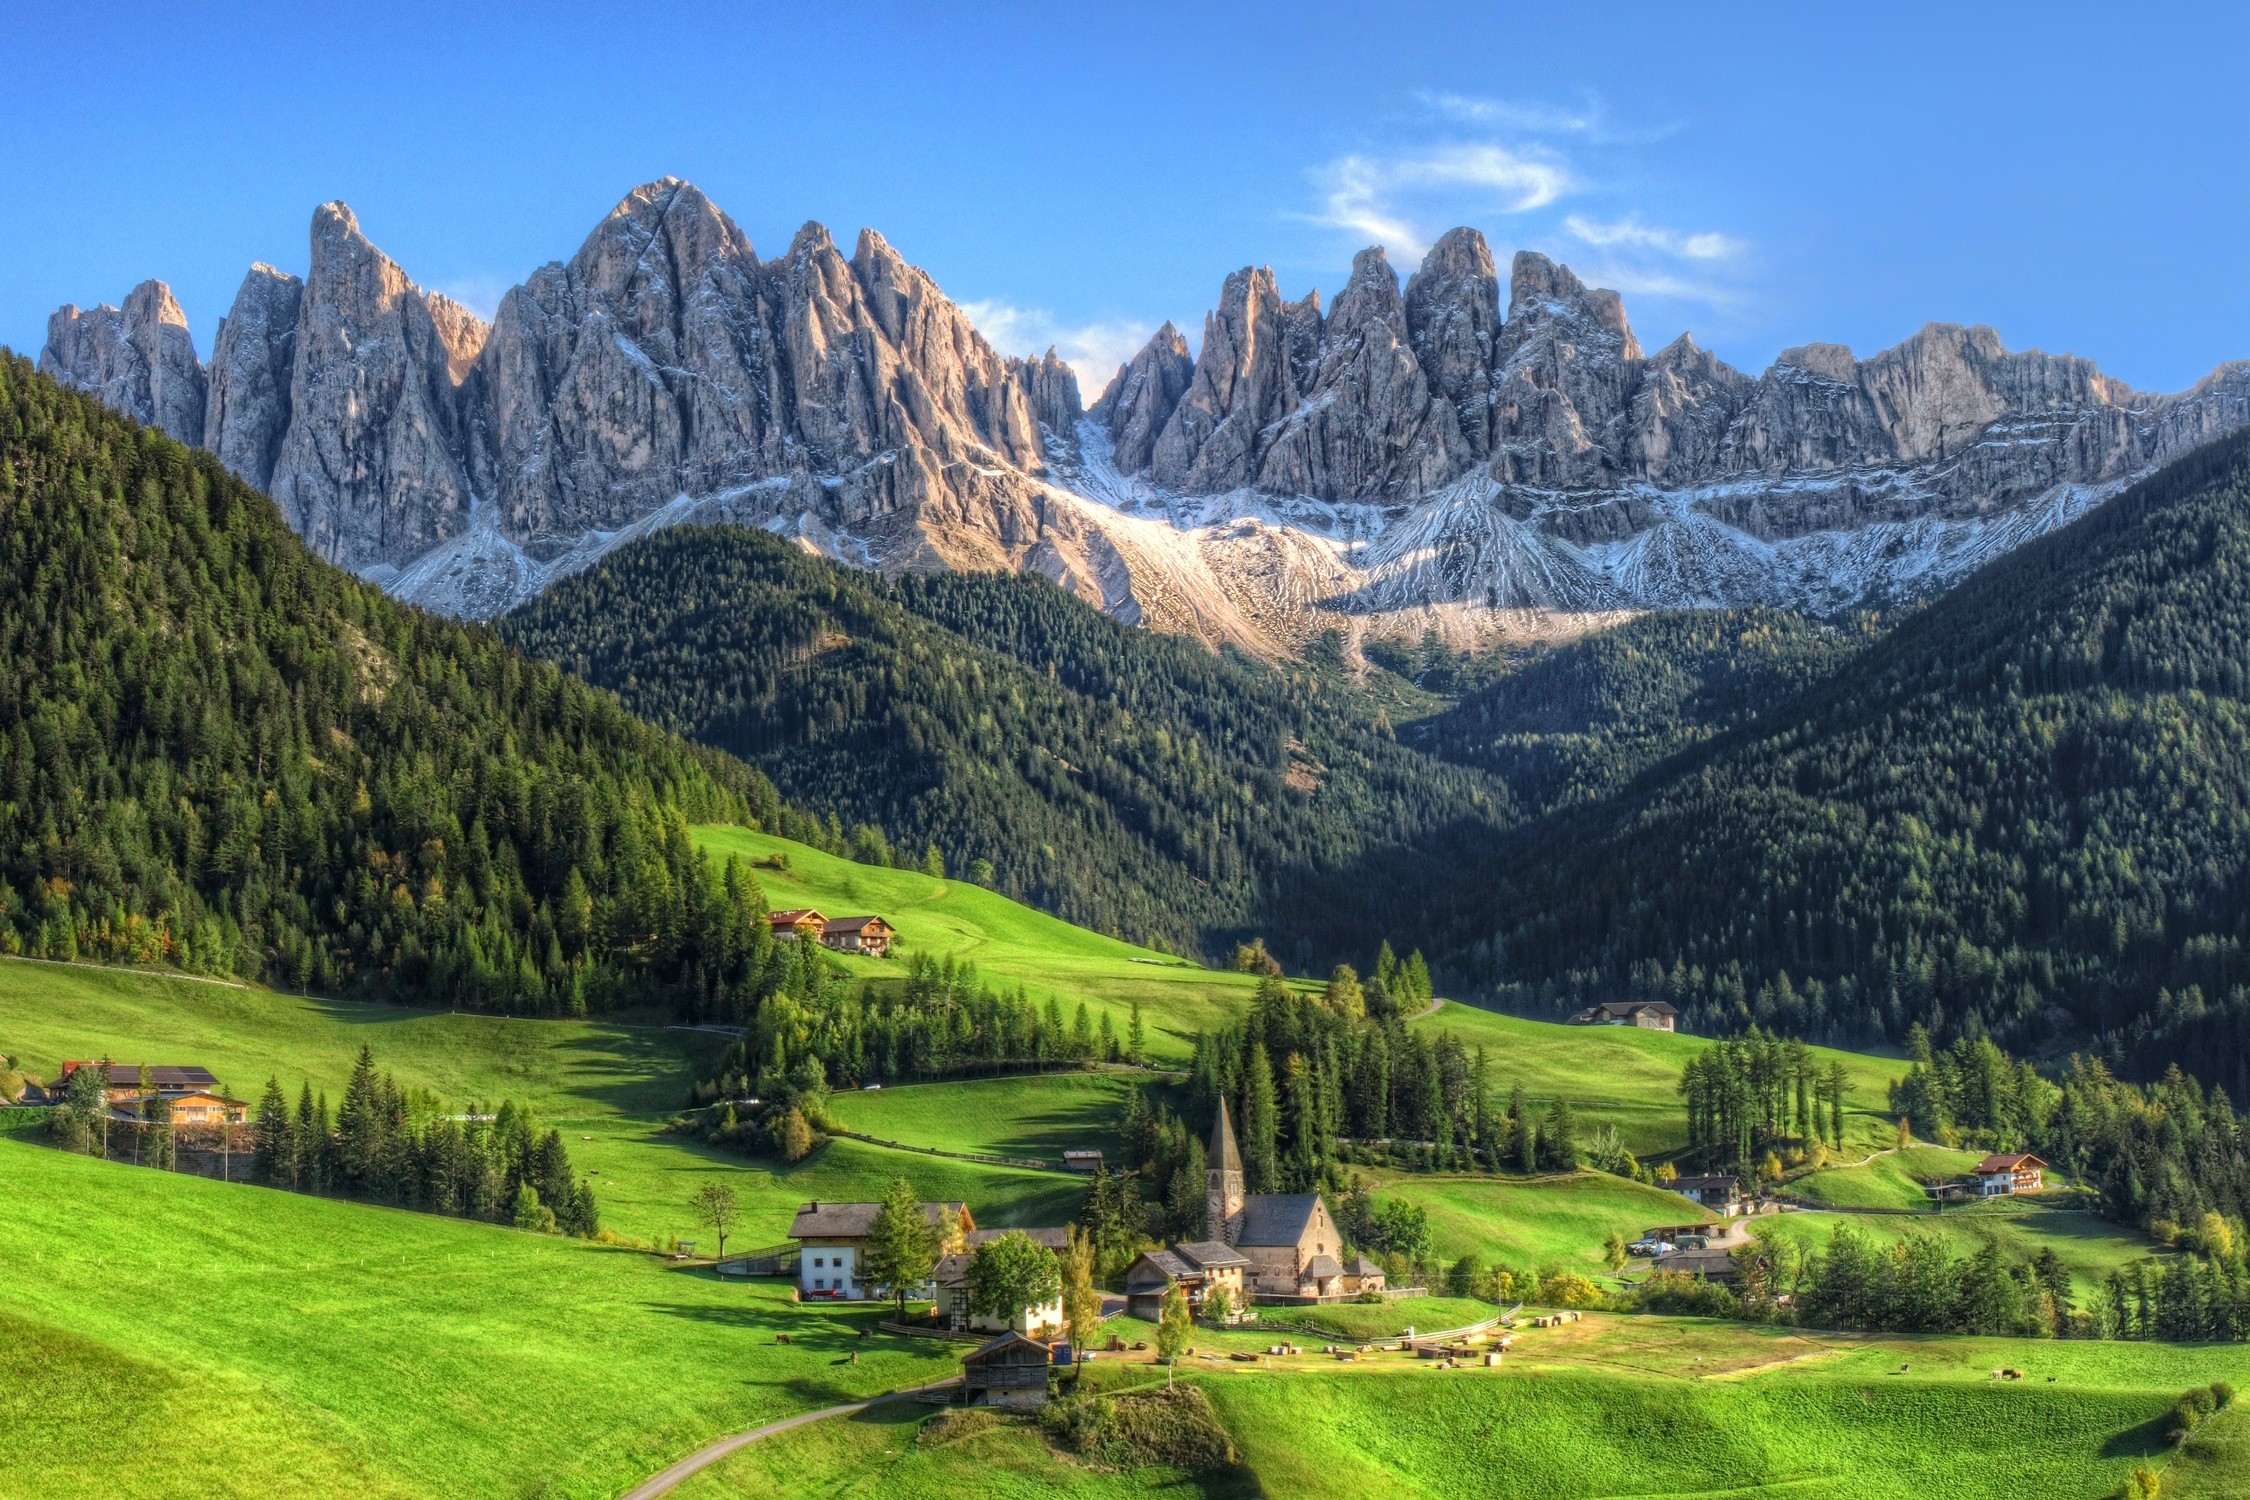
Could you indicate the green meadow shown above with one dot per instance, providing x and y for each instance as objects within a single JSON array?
[
  {"x": 1607, "y": 1407},
  {"x": 1893, "y": 1179},
  {"x": 2090, "y": 1246},
  {"x": 1534, "y": 1223},
  {"x": 267, "y": 1343},
  {"x": 1628, "y": 1077},
  {"x": 1034, "y": 1118},
  {"x": 1011, "y": 944}
]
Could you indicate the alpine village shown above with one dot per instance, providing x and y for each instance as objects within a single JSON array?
[{"x": 752, "y": 863}]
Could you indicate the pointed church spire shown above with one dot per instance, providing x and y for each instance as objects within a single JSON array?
[
  {"x": 1222, "y": 1178},
  {"x": 1225, "y": 1156}
]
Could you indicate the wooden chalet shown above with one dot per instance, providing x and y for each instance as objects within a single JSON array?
[
  {"x": 1649, "y": 1015},
  {"x": 1086, "y": 1161},
  {"x": 1721, "y": 1193},
  {"x": 869, "y": 935},
  {"x": 1010, "y": 1370},
  {"x": 162, "y": 1077},
  {"x": 2001, "y": 1175},
  {"x": 198, "y": 1108},
  {"x": 797, "y": 922}
]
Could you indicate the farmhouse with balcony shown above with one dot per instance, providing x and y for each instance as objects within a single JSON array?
[
  {"x": 1998, "y": 1176},
  {"x": 869, "y": 935},
  {"x": 1721, "y": 1194},
  {"x": 1197, "y": 1267},
  {"x": 797, "y": 922},
  {"x": 832, "y": 1244}
]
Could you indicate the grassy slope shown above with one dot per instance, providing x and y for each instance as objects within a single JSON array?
[
  {"x": 1627, "y": 1077},
  {"x": 1891, "y": 1180},
  {"x": 875, "y": 1453},
  {"x": 1608, "y": 1407},
  {"x": 1535, "y": 1224},
  {"x": 2090, "y": 1246},
  {"x": 1581, "y": 1433},
  {"x": 1035, "y": 1118},
  {"x": 434, "y": 1356},
  {"x": 609, "y": 1088},
  {"x": 1010, "y": 943}
]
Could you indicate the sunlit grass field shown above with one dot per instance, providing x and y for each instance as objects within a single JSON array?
[
  {"x": 158, "y": 1329},
  {"x": 2090, "y": 1246},
  {"x": 1011, "y": 944},
  {"x": 1892, "y": 1180},
  {"x": 1629, "y": 1077},
  {"x": 1535, "y": 1224}
]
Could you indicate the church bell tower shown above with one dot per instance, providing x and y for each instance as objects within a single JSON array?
[{"x": 1223, "y": 1179}]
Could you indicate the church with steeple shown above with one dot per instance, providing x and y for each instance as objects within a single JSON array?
[
  {"x": 1276, "y": 1247},
  {"x": 1289, "y": 1239}
]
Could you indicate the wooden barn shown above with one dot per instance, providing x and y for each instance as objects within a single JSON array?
[{"x": 1010, "y": 1370}]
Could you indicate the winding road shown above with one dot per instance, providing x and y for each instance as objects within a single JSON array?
[{"x": 703, "y": 1458}]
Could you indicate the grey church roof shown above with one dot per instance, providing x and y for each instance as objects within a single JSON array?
[
  {"x": 1211, "y": 1255},
  {"x": 1276, "y": 1218},
  {"x": 1224, "y": 1156}
]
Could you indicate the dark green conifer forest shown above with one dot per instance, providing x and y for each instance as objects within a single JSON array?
[
  {"x": 219, "y": 752},
  {"x": 1124, "y": 780},
  {"x": 2024, "y": 812}
]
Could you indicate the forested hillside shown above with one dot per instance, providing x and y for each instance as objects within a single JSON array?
[
  {"x": 2026, "y": 811},
  {"x": 220, "y": 752},
  {"x": 1125, "y": 780},
  {"x": 1577, "y": 722}
]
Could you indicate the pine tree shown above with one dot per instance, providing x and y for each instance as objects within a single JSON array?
[
  {"x": 1136, "y": 1038},
  {"x": 902, "y": 1245},
  {"x": 1261, "y": 1125},
  {"x": 272, "y": 1164}
]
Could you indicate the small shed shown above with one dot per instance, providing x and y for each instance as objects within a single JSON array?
[
  {"x": 1082, "y": 1160},
  {"x": 1010, "y": 1370}
]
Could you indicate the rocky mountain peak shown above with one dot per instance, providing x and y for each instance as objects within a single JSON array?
[
  {"x": 1139, "y": 399},
  {"x": 1452, "y": 324},
  {"x": 1427, "y": 445},
  {"x": 139, "y": 359}
]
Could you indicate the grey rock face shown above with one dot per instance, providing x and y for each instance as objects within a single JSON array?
[
  {"x": 139, "y": 359},
  {"x": 1557, "y": 406},
  {"x": 1533, "y": 458},
  {"x": 1141, "y": 397},
  {"x": 1368, "y": 426},
  {"x": 1242, "y": 385},
  {"x": 253, "y": 359},
  {"x": 1453, "y": 325},
  {"x": 373, "y": 468}
]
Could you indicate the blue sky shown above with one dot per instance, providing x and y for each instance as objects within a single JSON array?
[{"x": 2074, "y": 177}]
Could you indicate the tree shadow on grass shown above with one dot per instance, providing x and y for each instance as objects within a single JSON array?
[{"x": 2144, "y": 1441}]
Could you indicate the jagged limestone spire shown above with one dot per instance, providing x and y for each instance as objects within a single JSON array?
[{"x": 1223, "y": 1178}]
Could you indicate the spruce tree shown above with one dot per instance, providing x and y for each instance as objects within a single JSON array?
[
  {"x": 271, "y": 1164},
  {"x": 1261, "y": 1125}
]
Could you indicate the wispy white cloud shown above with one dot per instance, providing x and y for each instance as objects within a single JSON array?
[
  {"x": 1513, "y": 168},
  {"x": 1092, "y": 350},
  {"x": 1629, "y": 232},
  {"x": 1386, "y": 197},
  {"x": 1533, "y": 119}
]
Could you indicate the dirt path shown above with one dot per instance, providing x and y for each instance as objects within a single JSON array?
[{"x": 703, "y": 1458}]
